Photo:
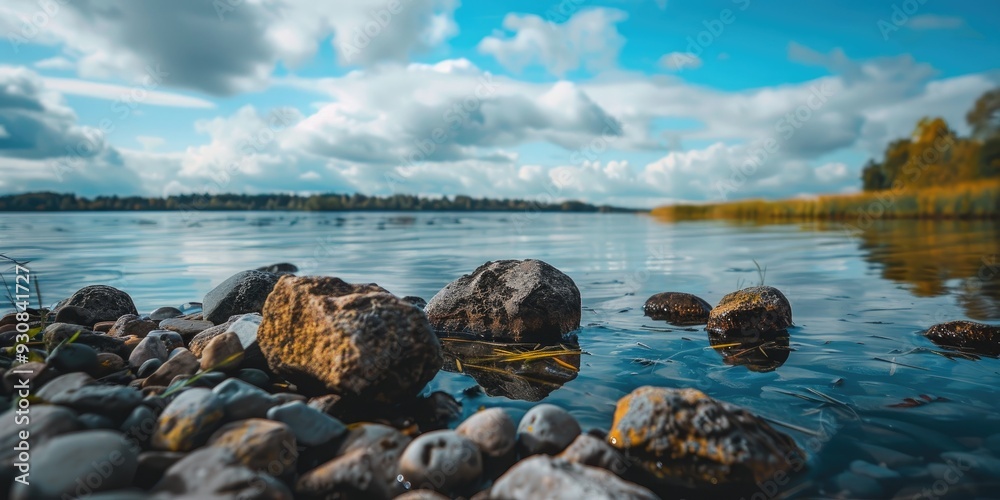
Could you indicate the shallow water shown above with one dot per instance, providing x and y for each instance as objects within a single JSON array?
[{"x": 859, "y": 377}]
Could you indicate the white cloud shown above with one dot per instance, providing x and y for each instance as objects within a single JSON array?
[
  {"x": 139, "y": 93},
  {"x": 150, "y": 143},
  {"x": 935, "y": 22},
  {"x": 55, "y": 63},
  {"x": 589, "y": 39},
  {"x": 679, "y": 61}
]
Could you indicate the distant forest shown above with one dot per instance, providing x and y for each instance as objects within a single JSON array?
[
  {"x": 47, "y": 201},
  {"x": 936, "y": 156}
]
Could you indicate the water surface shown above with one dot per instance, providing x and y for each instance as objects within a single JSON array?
[{"x": 858, "y": 378}]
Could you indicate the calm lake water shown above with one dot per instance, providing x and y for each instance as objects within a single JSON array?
[{"x": 859, "y": 380}]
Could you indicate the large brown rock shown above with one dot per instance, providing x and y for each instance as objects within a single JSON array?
[
  {"x": 697, "y": 439},
  {"x": 751, "y": 312},
  {"x": 509, "y": 300},
  {"x": 967, "y": 336},
  {"x": 357, "y": 341}
]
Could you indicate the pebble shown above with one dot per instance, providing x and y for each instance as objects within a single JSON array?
[
  {"x": 93, "y": 421},
  {"x": 73, "y": 358},
  {"x": 383, "y": 443},
  {"x": 46, "y": 423},
  {"x": 495, "y": 435},
  {"x": 851, "y": 485},
  {"x": 181, "y": 362},
  {"x": 104, "y": 302},
  {"x": 56, "y": 333},
  {"x": 589, "y": 450},
  {"x": 130, "y": 324},
  {"x": 75, "y": 316},
  {"x": 259, "y": 444},
  {"x": 108, "y": 363},
  {"x": 103, "y": 326},
  {"x": 242, "y": 293},
  {"x": 311, "y": 426},
  {"x": 115, "y": 401},
  {"x": 214, "y": 472},
  {"x": 148, "y": 367},
  {"x": 188, "y": 421},
  {"x": 546, "y": 429},
  {"x": 79, "y": 464},
  {"x": 224, "y": 353},
  {"x": 140, "y": 424},
  {"x": 39, "y": 375},
  {"x": 170, "y": 338},
  {"x": 421, "y": 495},
  {"x": 152, "y": 465},
  {"x": 255, "y": 377},
  {"x": 167, "y": 312},
  {"x": 241, "y": 400},
  {"x": 186, "y": 327},
  {"x": 441, "y": 461},
  {"x": 542, "y": 476},
  {"x": 350, "y": 475}
]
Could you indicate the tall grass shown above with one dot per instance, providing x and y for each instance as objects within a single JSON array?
[{"x": 977, "y": 200}]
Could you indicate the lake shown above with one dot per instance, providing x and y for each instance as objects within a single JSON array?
[{"x": 856, "y": 382}]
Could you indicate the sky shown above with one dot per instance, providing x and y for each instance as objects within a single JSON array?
[{"x": 626, "y": 102}]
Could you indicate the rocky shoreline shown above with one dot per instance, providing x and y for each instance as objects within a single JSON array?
[{"x": 285, "y": 386}]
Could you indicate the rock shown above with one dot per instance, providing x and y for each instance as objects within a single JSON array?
[
  {"x": 589, "y": 450},
  {"x": 214, "y": 472},
  {"x": 495, "y": 435},
  {"x": 187, "y": 328},
  {"x": 148, "y": 368},
  {"x": 241, "y": 400},
  {"x": 421, "y": 495},
  {"x": 280, "y": 268},
  {"x": 103, "y": 326},
  {"x": 851, "y": 485},
  {"x": 73, "y": 358},
  {"x": 489, "y": 364},
  {"x": 546, "y": 429},
  {"x": 140, "y": 424},
  {"x": 259, "y": 444},
  {"x": 224, "y": 353},
  {"x": 149, "y": 348},
  {"x": 382, "y": 443},
  {"x": 873, "y": 471},
  {"x": 704, "y": 439},
  {"x": 170, "y": 338},
  {"x": 93, "y": 422},
  {"x": 245, "y": 327},
  {"x": 967, "y": 336},
  {"x": 130, "y": 324},
  {"x": 105, "y": 303},
  {"x": 82, "y": 395},
  {"x": 162, "y": 313},
  {"x": 417, "y": 301},
  {"x": 242, "y": 293},
  {"x": 324, "y": 336},
  {"x": 311, "y": 426},
  {"x": 548, "y": 477},
  {"x": 760, "y": 353},
  {"x": 509, "y": 300},
  {"x": 348, "y": 476},
  {"x": 38, "y": 375},
  {"x": 751, "y": 312},
  {"x": 57, "y": 332},
  {"x": 255, "y": 377},
  {"x": 188, "y": 420},
  {"x": 152, "y": 465},
  {"x": 441, "y": 461},
  {"x": 677, "y": 308},
  {"x": 75, "y": 316},
  {"x": 984, "y": 466},
  {"x": 108, "y": 364},
  {"x": 79, "y": 464},
  {"x": 180, "y": 362},
  {"x": 46, "y": 422}
]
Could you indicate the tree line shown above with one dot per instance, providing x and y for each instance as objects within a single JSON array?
[
  {"x": 935, "y": 155},
  {"x": 50, "y": 201}
]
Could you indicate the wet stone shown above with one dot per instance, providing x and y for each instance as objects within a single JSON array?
[
  {"x": 242, "y": 293},
  {"x": 188, "y": 421},
  {"x": 241, "y": 400},
  {"x": 105, "y": 303},
  {"x": 79, "y": 464},
  {"x": 677, "y": 308},
  {"x": 750, "y": 312},
  {"x": 543, "y": 476},
  {"x": 442, "y": 461},
  {"x": 967, "y": 335},
  {"x": 311, "y": 426},
  {"x": 167, "y": 312},
  {"x": 546, "y": 429}
]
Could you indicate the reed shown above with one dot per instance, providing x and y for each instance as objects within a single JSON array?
[{"x": 973, "y": 200}]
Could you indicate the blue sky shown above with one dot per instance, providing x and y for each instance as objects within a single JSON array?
[{"x": 628, "y": 102}]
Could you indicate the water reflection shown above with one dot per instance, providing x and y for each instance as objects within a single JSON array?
[
  {"x": 763, "y": 353},
  {"x": 527, "y": 372}
]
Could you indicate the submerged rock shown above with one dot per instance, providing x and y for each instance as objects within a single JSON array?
[
  {"x": 677, "y": 308},
  {"x": 105, "y": 303},
  {"x": 242, "y": 293},
  {"x": 967, "y": 336},
  {"x": 686, "y": 436},
  {"x": 763, "y": 353},
  {"x": 548, "y": 477},
  {"x": 530, "y": 374},
  {"x": 357, "y": 341},
  {"x": 509, "y": 300},
  {"x": 751, "y": 312}
]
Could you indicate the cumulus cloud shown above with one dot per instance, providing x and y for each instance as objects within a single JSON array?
[
  {"x": 588, "y": 39},
  {"x": 223, "y": 48}
]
